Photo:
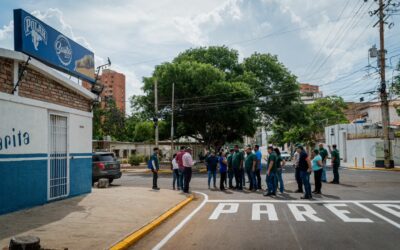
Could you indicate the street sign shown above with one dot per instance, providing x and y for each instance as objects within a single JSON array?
[{"x": 37, "y": 39}]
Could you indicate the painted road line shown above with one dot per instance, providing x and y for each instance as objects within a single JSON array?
[
  {"x": 137, "y": 235},
  {"x": 378, "y": 215},
  {"x": 182, "y": 224},
  {"x": 304, "y": 201},
  {"x": 376, "y": 169}
]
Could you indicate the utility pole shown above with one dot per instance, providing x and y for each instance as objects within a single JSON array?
[
  {"x": 156, "y": 111},
  {"x": 383, "y": 94},
  {"x": 172, "y": 119}
]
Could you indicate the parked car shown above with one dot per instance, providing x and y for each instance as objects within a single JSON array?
[
  {"x": 105, "y": 165},
  {"x": 286, "y": 156}
]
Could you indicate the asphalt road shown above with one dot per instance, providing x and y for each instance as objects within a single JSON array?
[{"x": 361, "y": 213}]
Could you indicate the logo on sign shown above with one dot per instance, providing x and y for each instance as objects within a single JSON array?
[
  {"x": 36, "y": 31},
  {"x": 63, "y": 50}
]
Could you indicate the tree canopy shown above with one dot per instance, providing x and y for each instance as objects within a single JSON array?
[
  {"x": 323, "y": 112},
  {"x": 217, "y": 98}
]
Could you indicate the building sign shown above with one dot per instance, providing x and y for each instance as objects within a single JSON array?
[{"x": 35, "y": 38}]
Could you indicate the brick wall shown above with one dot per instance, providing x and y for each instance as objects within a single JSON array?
[
  {"x": 6, "y": 75},
  {"x": 36, "y": 86}
]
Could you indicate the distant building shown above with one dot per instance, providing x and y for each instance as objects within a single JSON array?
[
  {"x": 114, "y": 87},
  {"x": 370, "y": 112},
  {"x": 309, "y": 93}
]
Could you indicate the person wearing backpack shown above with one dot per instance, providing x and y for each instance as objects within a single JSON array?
[{"x": 154, "y": 166}]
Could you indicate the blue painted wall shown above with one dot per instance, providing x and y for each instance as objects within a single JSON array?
[
  {"x": 80, "y": 176},
  {"x": 24, "y": 183}
]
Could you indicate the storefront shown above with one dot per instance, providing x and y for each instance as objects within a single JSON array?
[{"x": 45, "y": 130}]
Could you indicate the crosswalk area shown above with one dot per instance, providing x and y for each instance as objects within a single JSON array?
[{"x": 328, "y": 211}]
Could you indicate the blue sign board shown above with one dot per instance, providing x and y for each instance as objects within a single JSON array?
[{"x": 35, "y": 38}]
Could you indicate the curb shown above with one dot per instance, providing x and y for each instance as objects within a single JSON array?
[
  {"x": 376, "y": 169},
  {"x": 134, "y": 237}
]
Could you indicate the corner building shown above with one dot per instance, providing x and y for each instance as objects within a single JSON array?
[{"x": 45, "y": 135}]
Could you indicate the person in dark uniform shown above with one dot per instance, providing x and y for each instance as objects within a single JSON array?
[
  {"x": 155, "y": 167},
  {"x": 335, "y": 158},
  {"x": 237, "y": 163},
  {"x": 305, "y": 171},
  {"x": 231, "y": 174},
  {"x": 271, "y": 172}
]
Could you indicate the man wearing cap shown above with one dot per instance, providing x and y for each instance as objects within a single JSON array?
[
  {"x": 187, "y": 172},
  {"x": 155, "y": 167},
  {"x": 230, "y": 168},
  {"x": 237, "y": 163}
]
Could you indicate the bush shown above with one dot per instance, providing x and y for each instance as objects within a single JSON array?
[
  {"x": 136, "y": 159},
  {"x": 124, "y": 161}
]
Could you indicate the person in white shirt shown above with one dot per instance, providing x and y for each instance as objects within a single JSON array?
[
  {"x": 296, "y": 157},
  {"x": 175, "y": 173},
  {"x": 187, "y": 172}
]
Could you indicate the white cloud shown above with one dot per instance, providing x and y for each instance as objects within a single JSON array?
[{"x": 6, "y": 31}]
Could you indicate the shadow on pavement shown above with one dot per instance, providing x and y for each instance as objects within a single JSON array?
[{"x": 38, "y": 216}]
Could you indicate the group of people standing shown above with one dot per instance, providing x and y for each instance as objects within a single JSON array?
[
  {"x": 236, "y": 164},
  {"x": 182, "y": 164},
  {"x": 305, "y": 165}
]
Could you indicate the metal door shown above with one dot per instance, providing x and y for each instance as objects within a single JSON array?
[{"x": 58, "y": 170}]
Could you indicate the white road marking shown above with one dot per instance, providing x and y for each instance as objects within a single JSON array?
[
  {"x": 220, "y": 209},
  {"x": 308, "y": 211},
  {"x": 390, "y": 208},
  {"x": 341, "y": 213},
  {"x": 180, "y": 225},
  {"x": 378, "y": 215},
  {"x": 304, "y": 201},
  {"x": 270, "y": 211}
]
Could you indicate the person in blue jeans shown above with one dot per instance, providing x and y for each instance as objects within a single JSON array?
[
  {"x": 175, "y": 169},
  {"x": 223, "y": 168},
  {"x": 305, "y": 171},
  {"x": 280, "y": 164},
  {"x": 257, "y": 172},
  {"x": 271, "y": 172},
  {"x": 212, "y": 163}
]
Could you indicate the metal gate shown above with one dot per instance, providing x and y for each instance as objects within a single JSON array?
[{"x": 58, "y": 170}]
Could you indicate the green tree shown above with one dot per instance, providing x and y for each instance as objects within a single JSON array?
[
  {"x": 276, "y": 89},
  {"x": 323, "y": 112},
  {"x": 113, "y": 121},
  {"x": 98, "y": 113},
  {"x": 210, "y": 106}
]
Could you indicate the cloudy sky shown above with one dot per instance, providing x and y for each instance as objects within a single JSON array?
[{"x": 322, "y": 42}]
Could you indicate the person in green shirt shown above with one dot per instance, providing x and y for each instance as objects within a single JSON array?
[
  {"x": 324, "y": 155},
  {"x": 335, "y": 158},
  {"x": 271, "y": 171},
  {"x": 237, "y": 164},
  {"x": 230, "y": 168},
  {"x": 280, "y": 164},
  {"x": 250, "y": 166}
]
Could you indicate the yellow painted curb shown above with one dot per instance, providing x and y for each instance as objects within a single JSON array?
[
  {"x": 378, "y": 169},
  {"x": 137, "y": 235}
]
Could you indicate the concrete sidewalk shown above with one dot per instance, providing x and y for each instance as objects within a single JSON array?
[{"x": 94, "y": 221}]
